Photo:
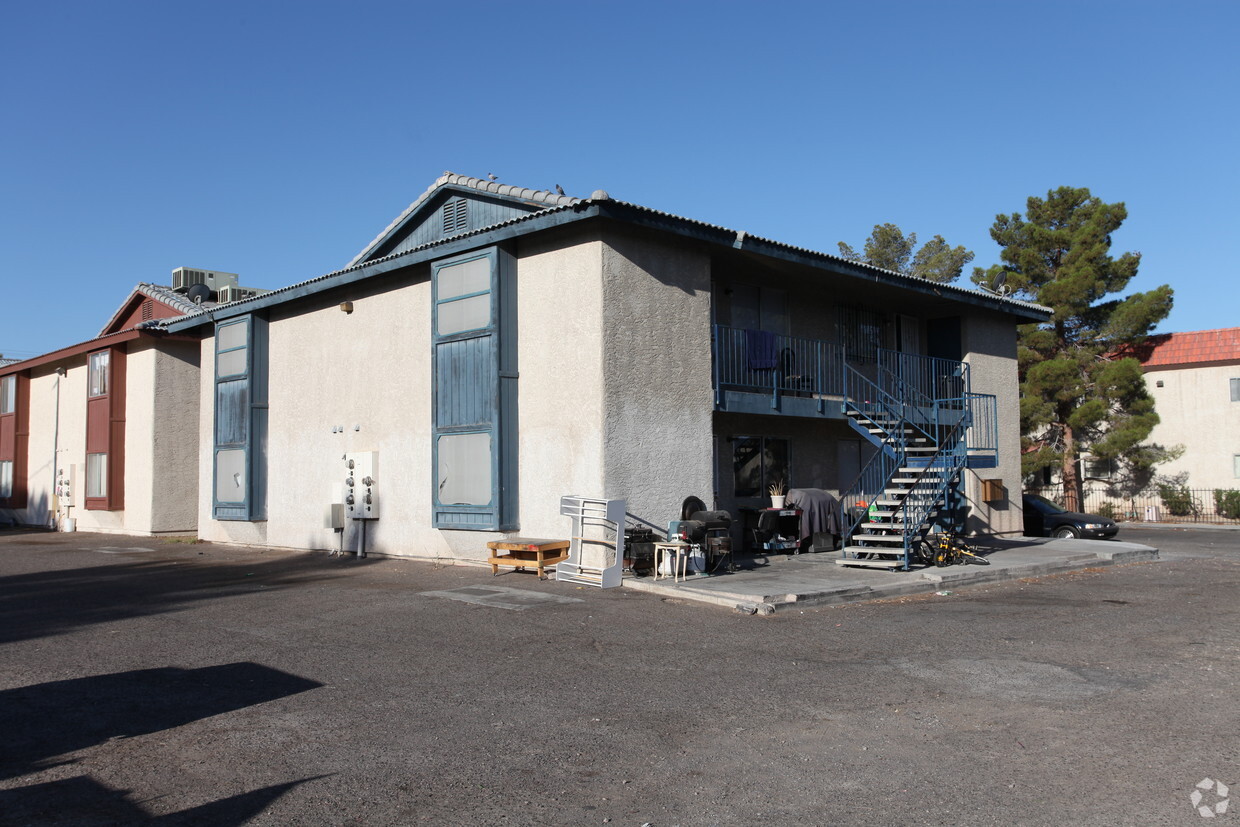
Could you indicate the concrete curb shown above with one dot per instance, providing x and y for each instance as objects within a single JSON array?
[{"x": 823, "y": 592}]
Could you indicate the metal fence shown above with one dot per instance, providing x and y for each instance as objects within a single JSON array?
[{"x": 1165, "y": 504}]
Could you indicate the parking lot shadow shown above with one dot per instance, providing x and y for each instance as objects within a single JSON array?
[
  {"x": 46, "y": 720},
  {"x": 82, "y": 800},
  {"x": 55, "y": 601}
]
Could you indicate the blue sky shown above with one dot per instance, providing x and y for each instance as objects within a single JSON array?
[{"x": 274, "y": 139}]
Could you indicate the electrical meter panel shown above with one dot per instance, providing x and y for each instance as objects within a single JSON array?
[
  {"x": 361, "y": 494},
  {"x": 66, "y": 486}
]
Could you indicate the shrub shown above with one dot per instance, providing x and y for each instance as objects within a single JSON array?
[
  {"x": 1107, "y": 509},
  {"x": 1178, "y": 500},
  {"x": 1227, "y": 503}
]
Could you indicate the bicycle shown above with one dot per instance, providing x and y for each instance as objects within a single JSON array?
[{"x": 948, "y": 549}]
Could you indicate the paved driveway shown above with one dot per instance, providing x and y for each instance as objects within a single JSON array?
[{"x": 194, "y": 684}]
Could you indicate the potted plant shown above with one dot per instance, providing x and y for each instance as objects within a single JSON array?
[{"x": 777, "y": 494}]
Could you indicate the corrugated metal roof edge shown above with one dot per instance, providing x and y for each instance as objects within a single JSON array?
[
  {"x": 267, "y": 299},
  {"x": 190, "y": 320},
  {"x": 75, "y": 349},
  {"x": 841, "y": 260}
]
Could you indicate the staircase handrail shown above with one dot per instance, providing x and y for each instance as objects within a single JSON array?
[
  {"x": 918, "y": 408},
  {"x": 880, "y": 468},
  {"x": 950, "y": 457},
  {"x": 870, "y": 400}
]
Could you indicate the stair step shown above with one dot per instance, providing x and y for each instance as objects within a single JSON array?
[{"x": 871, "y": 563}]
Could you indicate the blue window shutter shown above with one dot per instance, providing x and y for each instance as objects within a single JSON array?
[{"x": 474, "y": 392}]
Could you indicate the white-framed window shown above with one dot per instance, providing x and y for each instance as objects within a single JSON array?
[
  {"x": 97, "y": 375},
  {"x": 8, "y": 394},
  {"x": 6, "y": 479},
  {"x": 1100, "y": 469},
  {"x": 1235, "y": 390},
  {"x": 96, "y": 475}
]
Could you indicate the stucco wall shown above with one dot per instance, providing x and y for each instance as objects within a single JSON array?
[
  {"x": 657, "y": 370},
  {"x": 140, "y": 427},
  {"x": 174, "y": 438},
  {"x": 989, "y": 343},
  {"x": 561, "y": 396},
  {"x": 368, "y": 374},
  {"x": 43, "y": 441},
  {"x": 339, "y": 383},
  {"x": 1195, "y": 410}
]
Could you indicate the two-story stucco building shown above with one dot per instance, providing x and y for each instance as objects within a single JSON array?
[
  {"x": 496, "y": 348},
  {"x": 1194, "y": 378},
  {"x": 102, "y": 434}
]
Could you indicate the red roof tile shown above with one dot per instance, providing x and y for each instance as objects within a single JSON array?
[{"x": 1196, "y": 347}]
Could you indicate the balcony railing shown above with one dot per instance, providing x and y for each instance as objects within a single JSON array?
[
  {"x": 757, "y": 362},
  {"x": 925, "y": 377}
]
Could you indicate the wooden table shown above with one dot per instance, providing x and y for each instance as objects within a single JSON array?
[
  {"x": 675, "y": 555},
  {"x": 523, "y": 552}
]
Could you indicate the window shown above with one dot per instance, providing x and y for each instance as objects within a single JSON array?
[
  {"x": 757, "y": 464},
  {"x": 1235, "y": 466},
  {"x": 1100, "y": 469},
  {"x": 97, "y": 377},
  {"x": 749, "y": 307},
  {"x": 1235, "y": 390},
  {"x": 475, "y": 392},
  {"x": 96, "y": 475},
  {"x": 105, "y": 430},
  {"x": 861, "y": 333},
  {"x": 240, "y": 459},
  {"x": 14, "y": 438}
]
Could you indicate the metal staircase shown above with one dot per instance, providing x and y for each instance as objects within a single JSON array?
[{"x": 915, "y": 475}]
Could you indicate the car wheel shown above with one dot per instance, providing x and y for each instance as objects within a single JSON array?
[{"x": 1065, "y": 532}]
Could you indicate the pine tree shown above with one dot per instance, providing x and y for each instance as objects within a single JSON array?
[
  {"x": 1079, "y": 394},
  {"x": 889, "y": 248}
]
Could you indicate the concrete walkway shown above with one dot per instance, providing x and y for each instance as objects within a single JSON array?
[{"x": 770, "y": 582}]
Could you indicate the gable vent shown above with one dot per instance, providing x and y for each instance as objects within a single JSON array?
[
  {"x": 146, "y": 310},
  {"x": 455, "y": 216}
]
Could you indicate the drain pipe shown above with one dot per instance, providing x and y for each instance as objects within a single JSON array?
[{"x": 60, "y": 372}]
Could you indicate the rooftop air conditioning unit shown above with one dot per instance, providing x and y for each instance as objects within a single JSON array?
[
  {"x": 183, "y": 277},
  {"x": 233, "y": 293}
]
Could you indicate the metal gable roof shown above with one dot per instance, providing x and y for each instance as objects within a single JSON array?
[
  {"x": 564, "y": 209},
  {"x": 450, "y": 180}
]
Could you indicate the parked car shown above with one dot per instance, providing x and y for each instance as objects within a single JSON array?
[{"x": 1044, "y": 518}]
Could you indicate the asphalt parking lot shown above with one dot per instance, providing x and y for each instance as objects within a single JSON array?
[{"x": 147, "y": 681}]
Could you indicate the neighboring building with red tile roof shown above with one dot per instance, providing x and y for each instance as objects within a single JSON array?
[
  {"x": 1194, "y": 378},
  {"x": 1195, "y": 348}
]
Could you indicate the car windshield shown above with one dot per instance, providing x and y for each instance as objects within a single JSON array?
[{"x": 1044, "y": 505}]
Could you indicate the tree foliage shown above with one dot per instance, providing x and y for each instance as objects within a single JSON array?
[
  {"x": 1079, "y": 392},
  {"x": 889, "y": 248}
]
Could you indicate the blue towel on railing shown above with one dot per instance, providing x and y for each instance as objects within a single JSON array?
[{"x": 760, "y": 349}]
